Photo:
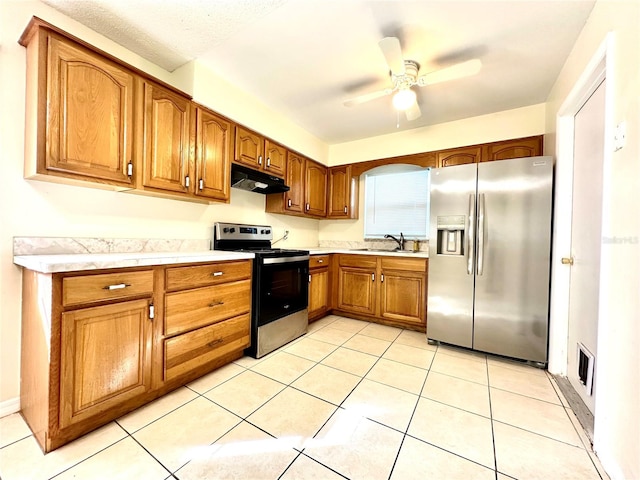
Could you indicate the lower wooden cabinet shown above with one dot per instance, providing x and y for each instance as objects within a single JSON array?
[
  {"x": 98, "y": 345},
  {"x": 390, "y": 290},
  {"x": 319, "y": 286}
]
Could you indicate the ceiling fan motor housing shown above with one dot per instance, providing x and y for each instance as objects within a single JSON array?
[{"x": 408, "y": 78}]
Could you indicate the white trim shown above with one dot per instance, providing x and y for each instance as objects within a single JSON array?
[{"x": 10, "y": 406}]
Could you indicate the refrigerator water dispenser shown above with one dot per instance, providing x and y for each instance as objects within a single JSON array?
[{"x": 451, "y": 235}]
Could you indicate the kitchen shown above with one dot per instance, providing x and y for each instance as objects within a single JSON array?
[{"x": 51, "y": 210}]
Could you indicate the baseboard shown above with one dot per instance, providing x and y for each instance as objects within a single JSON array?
[{"x": 10, "y": 406}]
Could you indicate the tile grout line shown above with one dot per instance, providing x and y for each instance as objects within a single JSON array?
[{"x": 493, "y": 433}]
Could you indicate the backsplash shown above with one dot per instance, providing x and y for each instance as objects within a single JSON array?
[
  {"x": 66, "y": 245},
  {"x": 381, "y": 244}
]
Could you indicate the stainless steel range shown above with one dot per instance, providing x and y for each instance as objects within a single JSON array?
[{"x": 279, "y": 287}]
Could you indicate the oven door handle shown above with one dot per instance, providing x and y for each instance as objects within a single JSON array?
[{"x": 299, "y": 258}]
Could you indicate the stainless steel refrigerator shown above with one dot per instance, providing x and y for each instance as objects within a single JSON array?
[{"x": 489, "y": 256}]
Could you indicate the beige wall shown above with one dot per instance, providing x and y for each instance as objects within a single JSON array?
[
  {"x": 34, "y": 208},
  {"x": 617, "y": 416},
  {"x": 520, "y": 122}
]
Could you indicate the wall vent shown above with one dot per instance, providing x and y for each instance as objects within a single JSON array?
[{"x": 585, "y": 365}]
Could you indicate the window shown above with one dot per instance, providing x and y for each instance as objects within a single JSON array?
[{"x": 397, "y": 200}]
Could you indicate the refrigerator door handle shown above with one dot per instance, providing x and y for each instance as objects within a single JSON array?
[
  {"x": 470, "y": 233},
  {"x": 481, "y": 214}
]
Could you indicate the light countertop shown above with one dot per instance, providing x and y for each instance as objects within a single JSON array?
[
  {"x": 387, "y": 253},
  {"x": 95, "y": 261}
]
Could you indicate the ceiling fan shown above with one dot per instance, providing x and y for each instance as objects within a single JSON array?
[{"x": 405, "y": 75}]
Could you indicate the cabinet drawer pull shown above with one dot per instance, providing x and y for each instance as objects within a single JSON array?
[
  {"x": 320, "y": 261},
  {"x": 117, "y": 286},
  {"x": 215, "y": 304},
  {"x": 216, "y": 274},
  {"x": 213, "y": 343}
]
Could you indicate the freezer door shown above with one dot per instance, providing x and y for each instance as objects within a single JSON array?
[
  {"x": 451, "y": 255},
  {"x": 513, "y": 258}
]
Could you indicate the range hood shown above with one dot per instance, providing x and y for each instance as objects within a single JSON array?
[{"x": 248, "y": 179}]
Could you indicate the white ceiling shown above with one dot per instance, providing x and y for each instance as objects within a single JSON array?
[{"x": 304, "y": 58}]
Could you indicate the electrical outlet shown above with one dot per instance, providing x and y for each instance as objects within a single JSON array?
[{"x": 620, "y": 136}]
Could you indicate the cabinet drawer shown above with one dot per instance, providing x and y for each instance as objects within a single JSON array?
[
  {"x": 191, "y": 350},
  {"x": 407, "y": 264},
  {"x": 316, "y": 261},
  {"x": 188, "y": 277},
  {"x": 108, "y": 286},
  {"x": 195, "y": 308},
  {"x": 364, "y": 261}
]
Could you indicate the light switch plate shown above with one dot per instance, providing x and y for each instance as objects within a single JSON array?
[{"x": 620, "y": 136}]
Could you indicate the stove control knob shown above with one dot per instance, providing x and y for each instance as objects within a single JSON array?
[
  {"x": 225, "y": 229},
  {"x": 267, "y": 231},
  {"x": 232, "y": 230}
]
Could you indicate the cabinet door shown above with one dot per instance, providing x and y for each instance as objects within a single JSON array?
[
  {"x": 276, "y": 159},
  {"x": 294, "y": 198},
  {"x": 459, "y": 156},
  {"x": 249, "y": 147},
  {"x": 403, "y": 296},
  {"x": 106, "y": 358},
  {"x": 342, "y": 199},
  {"x": 213, "y": 155},
  {"x": 357, "y": 290},
  {"x": 318, "y": 292},
  {"x": 517, "y": 148},
  {"x": 315, "y": 189},
  {"x": 166, "y": 128},
  {"x": 89, "y": 115}
]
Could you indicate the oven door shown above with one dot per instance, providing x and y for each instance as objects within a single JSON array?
[{"x": 282, "y": 287}]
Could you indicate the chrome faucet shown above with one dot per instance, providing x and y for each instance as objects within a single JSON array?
[{"x": 400, "y": 242}]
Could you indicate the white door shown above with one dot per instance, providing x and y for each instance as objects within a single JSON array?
[{"x": 586, "y": 239}]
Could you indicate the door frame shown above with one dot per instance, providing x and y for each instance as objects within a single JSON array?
[{"x": 599, "y": 67}]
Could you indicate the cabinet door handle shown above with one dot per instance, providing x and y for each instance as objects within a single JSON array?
[
  {"x": 130, "y": 169},
  {"x": 215, "y": 303},
  {"x": 259, "y": 159},
  {"x": 268, "y": 161},
  {"x": 309, "y": 278},
  {"x": 345, "y": 209},
  {"x": 152, "y": 311},
  {"x": 216, "y": 274},
  {"x": 201, "y": 184},
  {"x": 307, "y": 207},
  {"x": 117, "y": 286},
  {"x": 382, "y": 278},
  {"x": 288, "y": 202},
  {"x": 186, "y": 181},
  {"x": 373, "y": 277}
]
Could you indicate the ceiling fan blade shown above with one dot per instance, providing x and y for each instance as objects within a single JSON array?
[
  {"x": 459, "y": 70},
  {"x": 367, "y": 96},
  {"x": 413, "y": 112},
  {"x": 392, "y": 52}
]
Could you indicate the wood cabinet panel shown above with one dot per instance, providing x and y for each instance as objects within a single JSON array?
[
  {"x": 189, "y": 351},
  {"x": 318, "y": 292},
  {"x": 167, "y": 139},
  {"x": 195, "y": 308},
  {"x": 276, "y": 158},
  {"x": 318, "y": 261},
  {"x": 90, "y": 114},
  {"x": 108, "y": 286},
  {"x": 249, "y": 148},
  {"x": 294, "y": 198},
  {"x": 516, "y": 148},
  {"x": 402, "y": 296},
  {"x": 315, "y": 189},
  {"x": 459, "y": 156},
  {"x": 211, "y": 274},
  {"x": 213, "y": 155},
  {"x": 106, "y": 358},
  {"x": 356, "y": 290},
  {"x": 342, "y": 199}
]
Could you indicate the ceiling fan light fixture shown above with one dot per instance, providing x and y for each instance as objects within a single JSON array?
[{"x": 404, "y": 98}]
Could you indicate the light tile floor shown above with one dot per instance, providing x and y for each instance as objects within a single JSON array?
[{"x": 348, "y": 400}]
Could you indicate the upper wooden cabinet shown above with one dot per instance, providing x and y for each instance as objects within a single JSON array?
[
  {"x": 342, "y": 200},
  {"x": 167, "y": 122},
  {"x": 213, "y": 155},
  {"x": 459, "y": 156},
  {"x": 516, "y": 148},
  {"x": 315, "y": 189},
  {"x": 254, "y": 151},
  {"x": 80, "y": 109},
  {"x": 307, "y": 195}
]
